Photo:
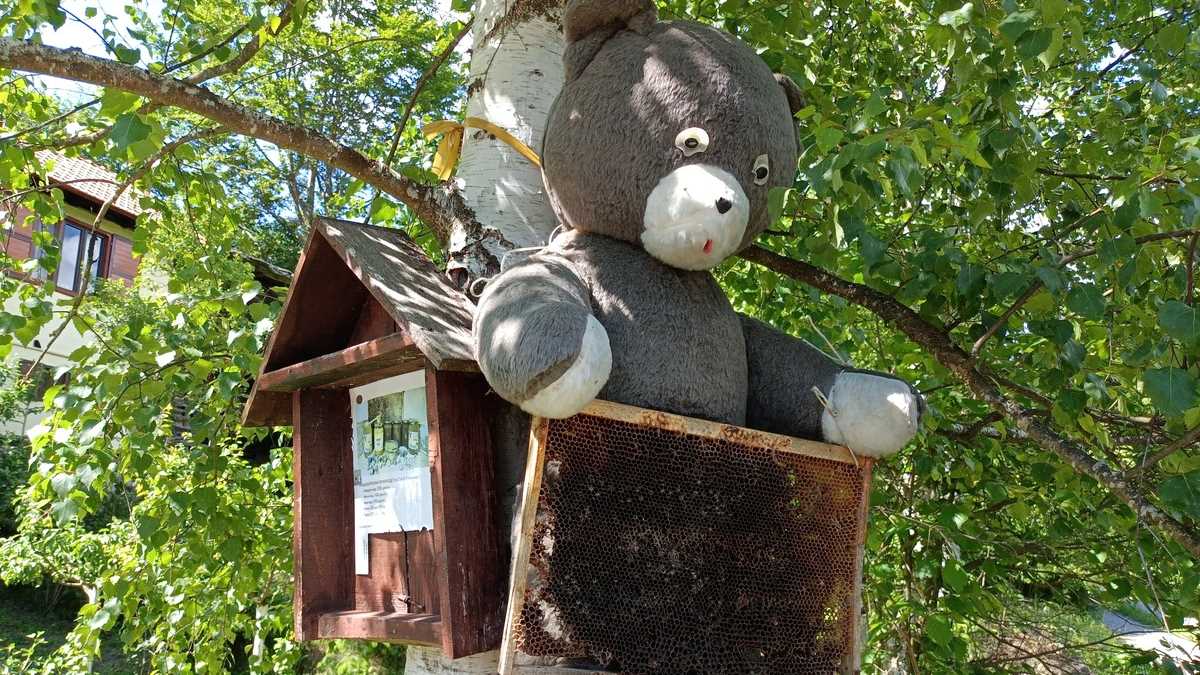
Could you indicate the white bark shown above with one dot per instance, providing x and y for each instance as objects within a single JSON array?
[{"x": 516, "y": 72}]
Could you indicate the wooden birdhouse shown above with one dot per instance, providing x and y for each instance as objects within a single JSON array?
[{"x": 395, "y": 511}]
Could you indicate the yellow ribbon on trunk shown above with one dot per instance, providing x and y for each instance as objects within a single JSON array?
[{"x": 450, "y": 147}]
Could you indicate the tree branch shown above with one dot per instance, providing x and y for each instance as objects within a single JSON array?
[
  {"x": 1188, "y": 440},
  {"x": 247, "y": 52},
  {"x": 1065, "y": 260},
  {"x": 952, "y": 357},
  {"x": 443, "y": 209},
  {"x": 421, "y": 84}
]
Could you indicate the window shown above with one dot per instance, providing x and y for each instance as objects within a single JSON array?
[{"x": 81, "y": 249}]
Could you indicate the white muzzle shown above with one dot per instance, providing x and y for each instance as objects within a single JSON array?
[{"x": 696, "y": 217}]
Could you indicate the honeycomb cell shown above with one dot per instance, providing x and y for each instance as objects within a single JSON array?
[{"x": 655, "y": 552}]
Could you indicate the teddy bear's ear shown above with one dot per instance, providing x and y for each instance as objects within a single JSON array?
[
  {"x": 584, "y": 17},
  {"x": 795, "y": 95},
  {"x": 588, "y": 24}
]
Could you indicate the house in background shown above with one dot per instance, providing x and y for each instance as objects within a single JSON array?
[{"x": 86, "y": 187}]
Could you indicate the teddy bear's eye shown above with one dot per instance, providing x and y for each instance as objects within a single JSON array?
[
  {"x": 692, "y": 141},
  {"x": 762, "y": 170}
]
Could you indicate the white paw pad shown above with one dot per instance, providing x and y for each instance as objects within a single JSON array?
[
  {"x": 873, "y": 416},
  {"x": 581, "y": 383}
]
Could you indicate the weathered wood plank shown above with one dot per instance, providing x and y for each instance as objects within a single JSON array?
[
  {"x": 530, "y": 493},
  {"x": 393, "y": 351},
  {"x": 415, "y": 629},
  {"x": 373, "y": 323},
  {"x": 469, "y": 558},
  {"x": 323, "y": 535},
  {"x": 853, "y": 662},
  {"x": 706, "y": 429},
  {"x": 410, "y": 287},
  {"x": 317, "y": 318},
  {"x": 267, "y": 409},
  {"x": 402, "y": 576}
]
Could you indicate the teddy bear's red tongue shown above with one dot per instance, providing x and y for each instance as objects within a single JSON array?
[{"x": 708, "y": 246}]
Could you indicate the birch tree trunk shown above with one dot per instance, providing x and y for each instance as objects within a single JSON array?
[{"x": 516, "y": 73}]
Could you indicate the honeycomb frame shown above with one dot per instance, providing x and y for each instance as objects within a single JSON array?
[{"x": 655, "y": 544}]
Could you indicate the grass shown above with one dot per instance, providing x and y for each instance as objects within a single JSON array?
[{"x": 25, "y": 612}]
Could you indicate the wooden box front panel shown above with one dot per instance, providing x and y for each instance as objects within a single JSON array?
[
  {"x": 403, "y": 576},
  {"x": 444, "y": 587}
]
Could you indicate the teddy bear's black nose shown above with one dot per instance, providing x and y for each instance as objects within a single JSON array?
[{"x": 723, "y": 205}]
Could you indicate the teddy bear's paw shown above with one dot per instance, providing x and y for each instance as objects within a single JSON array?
[
  {"x": 874, "y": 416},
  {"x": 581, "y": 383}
]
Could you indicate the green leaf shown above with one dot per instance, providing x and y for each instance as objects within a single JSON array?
[
  {"x": 957, "y": 18},
  {"x": 1183, "y": 493},
  {"x": 115, "y": 101},
  {"x": 129, "y": 129},
  {"x": 1087, "y": 301},
  {"x": 970, "y": 281},
  {"x": 231, "y": 549},
  {"x": 776, "y": 202},
  {"x": 957, "y": 579},
  {"x": 127, "y": 55},
  {"x": 1172, "y": 38},
  {"x": 1171, "y": 390},
  {"x": 1052, "y": 279},
  {"x": 1181, "y": 322},
  {"x": 1016, "y": 24},
  {"x": 938, "y": 630},
  {"x": 1035, "y": 42},
  {"x": 1053, "y": 10},
  {"x": 382, "y": 210},
  {"x": 828, "y": 137}
]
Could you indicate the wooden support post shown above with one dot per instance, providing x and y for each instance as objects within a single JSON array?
[
  {"x": 323, "y": 542},
  {"x": 530, "y": 493},
  {"x": 853, "y": 662},
  {"x": 467, "y": 546}
]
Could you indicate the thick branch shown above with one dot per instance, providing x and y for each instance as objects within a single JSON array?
[
  {"x": 247, "y": 52},
  {"x": 950, "y": 355},
  {"x": 441, "y": 208}
]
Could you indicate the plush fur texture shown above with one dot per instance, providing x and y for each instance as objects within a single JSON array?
[
  {"x": 873, "y": 415},
  {"x": 615, "y": 124},
  {"x": 581, "y": 382},
  {"x": 659, "y": 157}
]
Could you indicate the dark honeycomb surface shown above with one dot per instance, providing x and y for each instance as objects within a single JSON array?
[{"x": 656, "y": 552}]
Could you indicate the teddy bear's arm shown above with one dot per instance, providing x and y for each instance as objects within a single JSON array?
[
  {"x": 874, "y": 414},
  {"x": 537, "y": 342}
]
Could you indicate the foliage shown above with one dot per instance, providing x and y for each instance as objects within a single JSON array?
[
  {"x": 14, "y": 470},
  {"x": 53, "y": 613},
  {"x": 1022, "y": 175},
  {"x": 346, "y": 657}
]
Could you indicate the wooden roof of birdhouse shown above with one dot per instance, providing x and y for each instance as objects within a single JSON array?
[{"x": 365, "y": 302}]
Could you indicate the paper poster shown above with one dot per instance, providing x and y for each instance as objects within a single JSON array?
[{"x": 392, "y": 490}]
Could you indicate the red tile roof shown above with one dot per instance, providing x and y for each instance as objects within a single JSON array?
[{"x": 90, "y": 180}]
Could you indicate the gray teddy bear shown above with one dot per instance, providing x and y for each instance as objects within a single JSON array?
[{"x": 658, "y": 157}]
